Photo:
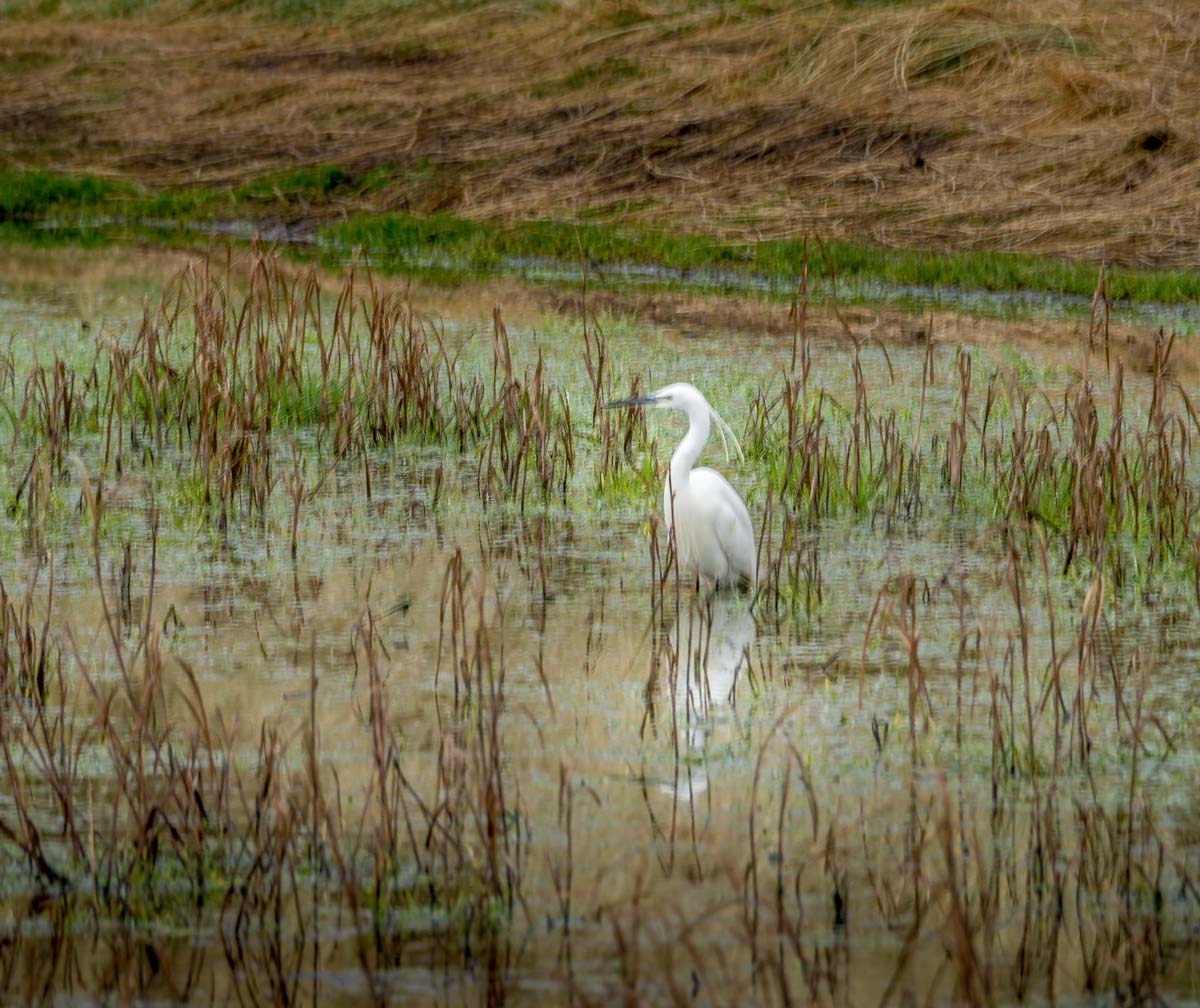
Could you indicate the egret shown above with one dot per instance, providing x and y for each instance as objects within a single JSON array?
[{"x": 704, "y": 514}]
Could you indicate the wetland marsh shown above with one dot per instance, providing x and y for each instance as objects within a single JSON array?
[
  {"x": 343, "y": 654},
  {"x": 344, "y": 659}
]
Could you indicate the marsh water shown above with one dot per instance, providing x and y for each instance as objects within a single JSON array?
[{"x": 875, "y": 789}]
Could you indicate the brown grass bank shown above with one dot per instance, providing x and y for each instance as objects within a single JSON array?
[{"x": 1062, "y": 127}]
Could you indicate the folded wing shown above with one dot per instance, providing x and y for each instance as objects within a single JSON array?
[{"x": 730, "y": 556}]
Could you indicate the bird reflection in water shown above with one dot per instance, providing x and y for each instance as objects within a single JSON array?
[{"x": 711, "y": 644}]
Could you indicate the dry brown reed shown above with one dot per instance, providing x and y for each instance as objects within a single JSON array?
[
  {"x": 1115, "y": 496},
  {"x": 213, "y": 372},
  {"x": 181, "y": 825}
]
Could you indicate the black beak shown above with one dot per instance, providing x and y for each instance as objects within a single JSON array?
[{"x": 644, "y": 400}]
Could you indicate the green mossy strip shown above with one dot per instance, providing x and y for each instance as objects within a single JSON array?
[
  {"x": 408, "y": 242},
  {"x": 49, "y": 207},
  {"x": 43, "y": 195}
]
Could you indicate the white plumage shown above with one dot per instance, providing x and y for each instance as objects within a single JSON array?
[{"x": 709, "y": 521}]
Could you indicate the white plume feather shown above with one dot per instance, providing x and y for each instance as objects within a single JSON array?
[{"x": 726, "y": 433}]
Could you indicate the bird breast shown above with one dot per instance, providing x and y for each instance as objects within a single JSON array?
[{"x": 710, "y": 526}]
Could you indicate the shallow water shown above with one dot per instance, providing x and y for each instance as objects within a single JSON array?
[
  {"x": 917, "y": 298},
  {"x": 713, "y": 801}
]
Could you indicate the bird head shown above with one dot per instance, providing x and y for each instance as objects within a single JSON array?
[
  {"x": 679, "y": 395},
  {"x": 687, "y": 399}
]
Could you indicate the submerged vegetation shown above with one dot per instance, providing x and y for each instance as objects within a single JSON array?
[{"x": 949, "y": 755}]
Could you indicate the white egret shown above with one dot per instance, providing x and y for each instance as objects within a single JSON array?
[{"x": 708, "y": 520}]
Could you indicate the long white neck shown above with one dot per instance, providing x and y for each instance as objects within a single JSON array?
[{"x": 690, "y": 447}]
